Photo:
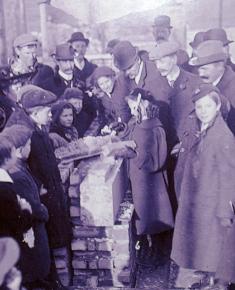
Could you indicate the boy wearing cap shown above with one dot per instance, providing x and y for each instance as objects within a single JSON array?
[
  {"x": 212, "y": 68},
  {"x": 25, "y": 62},
  {"x": 36, "y": 104}
]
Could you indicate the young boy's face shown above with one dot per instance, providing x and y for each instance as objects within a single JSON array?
[{"x": 43, "y": 116}]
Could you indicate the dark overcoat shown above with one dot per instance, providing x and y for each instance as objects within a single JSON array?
[
  {"x": 148, "y": 178},
  {"x": 82, "y": 75},
  {"x": 34, "y": 262},
  {"x": 44, "y": 168},
  {"x": 13, "y": 220},
  {"x": 227, "y": 88},
  {"x": 180, "y": 99},
  {"x": 206, "y": 189}
]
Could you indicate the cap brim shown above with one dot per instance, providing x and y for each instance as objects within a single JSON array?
[{"x": 86, "y": 40}]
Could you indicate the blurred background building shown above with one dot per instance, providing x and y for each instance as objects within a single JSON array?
[{"x": 53, "y": 21}]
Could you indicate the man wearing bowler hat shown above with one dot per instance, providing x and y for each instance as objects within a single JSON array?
[
  {"x": 136, "y": 73},
  {"x": 220, "y": 34},
  {"x": 24, "y": 62},
  {"x": 212, "y": 68},
  {"x": 82, "y": 67},
  {"x": 162, "y": 32},
  {"x": 63, "y": 77}
]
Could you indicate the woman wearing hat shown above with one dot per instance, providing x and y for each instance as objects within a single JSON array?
[
  {"x": 153, "y": 212},
  {"x": 206, "y": 190},
  {"x": 104, "y": 78},
  {"x": 35, "y": 256}
]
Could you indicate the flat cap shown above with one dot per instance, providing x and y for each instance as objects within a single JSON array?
[
  {"x": 124, "y": 55},
  {"x": 203, "y": 90},
  {"x": 31, "y": 96},
  {"x": 24, "y": 40},
  {"x": 162, "y": 21},
  {"x": 72, "y": 93},
  {"x": 163, "y": 49},
  {"x": 207, "y": 52}
]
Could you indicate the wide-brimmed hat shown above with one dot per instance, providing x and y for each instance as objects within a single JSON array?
[
  {"x": 203, "y": 90},
  {"x": 209, "y": 51},
  {"x": 9, "y": 255},
  {"x": 164, "y": 49},
  {"x": 162, "y": 21},
  {"x": 124, "y": 55},
  {"x": 32, "y": 96},
  {"x": 78, "y": 36},
  {"x": 217, "y": 34},
  {"x": 24, "y": 40},
  {"x": 199, "y": 37},
  {"x": 63, "y": 52}
]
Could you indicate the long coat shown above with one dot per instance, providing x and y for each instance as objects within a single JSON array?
[
  {"x": 227, "y": 88},
  {"x": 206, "y": 189},
  {"x": 34, "y": 262},
  {"x": 148, "y": 179},
  {"x": 43, "y": 165}
]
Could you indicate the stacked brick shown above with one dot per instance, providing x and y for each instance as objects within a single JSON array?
[{"x": 100, "y": 252}]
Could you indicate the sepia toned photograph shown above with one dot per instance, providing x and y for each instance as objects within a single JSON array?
[{"x": 117, "y": 147}]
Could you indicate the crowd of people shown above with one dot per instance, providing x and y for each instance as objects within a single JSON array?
[{"x": 179, "y": 110}]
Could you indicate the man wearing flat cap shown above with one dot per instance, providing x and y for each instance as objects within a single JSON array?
[
  {"x": 162, "y": 32},
  {"x": 182, "y": 83},
  {"x": 220, "y": 34},
  {"x": 82, "y": 67},
  {"x": 212, "y": 68},
  {"x": 24, "y": 65}
]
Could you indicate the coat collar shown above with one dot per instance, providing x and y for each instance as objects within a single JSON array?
[
  {"x": 227, "y": 77},
  {"x": 4, "y": 176}
]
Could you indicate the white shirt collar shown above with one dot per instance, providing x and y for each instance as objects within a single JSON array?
[
  {"x": 65, "y": 76},
  {"x": 172, "y": 77},
  {"x": 137, "y": 78},
  {"x": 79, "y": 64},
  {"x": 215, "y": 83},
  {"x": 4, "y": 176}
]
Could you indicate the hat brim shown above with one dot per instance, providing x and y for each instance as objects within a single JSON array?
[
  {"x": 86, "y": 40},
  {"x": 10, "y": 258},
  {"x": 128, "y": 64},
  {"x": 199, "y": 61},
  {"x": 62, "y": 58},
  {"x": 228, "y": 42}
]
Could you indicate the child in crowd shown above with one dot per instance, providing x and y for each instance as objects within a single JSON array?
[
  {"x": 153, "y": 210},
  {"x": 62, "y": 121}
]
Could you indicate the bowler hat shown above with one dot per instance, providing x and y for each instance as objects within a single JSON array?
[
  {"x": 78, "y": 36},
  {"x": 32, "y": 96},
  {"x": 102, "y": 71},
  {"x": 111, "y": 44},
  {"x": 203, "y": 90},
  {"x": 217, "y": 34},
  {"x": 163, "y": 49},
  {"x": 24, "y": 40},
  {"x": 208, "y": 51},
  {"x": 9, "y": 255},
  {"x": 162, "y": 21},
  {"x": 124, "y": 55},
  {"x": 63, "y": 52},
  {"x": 199, "y": 37},
  {"x": 72, "y": 93}
]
